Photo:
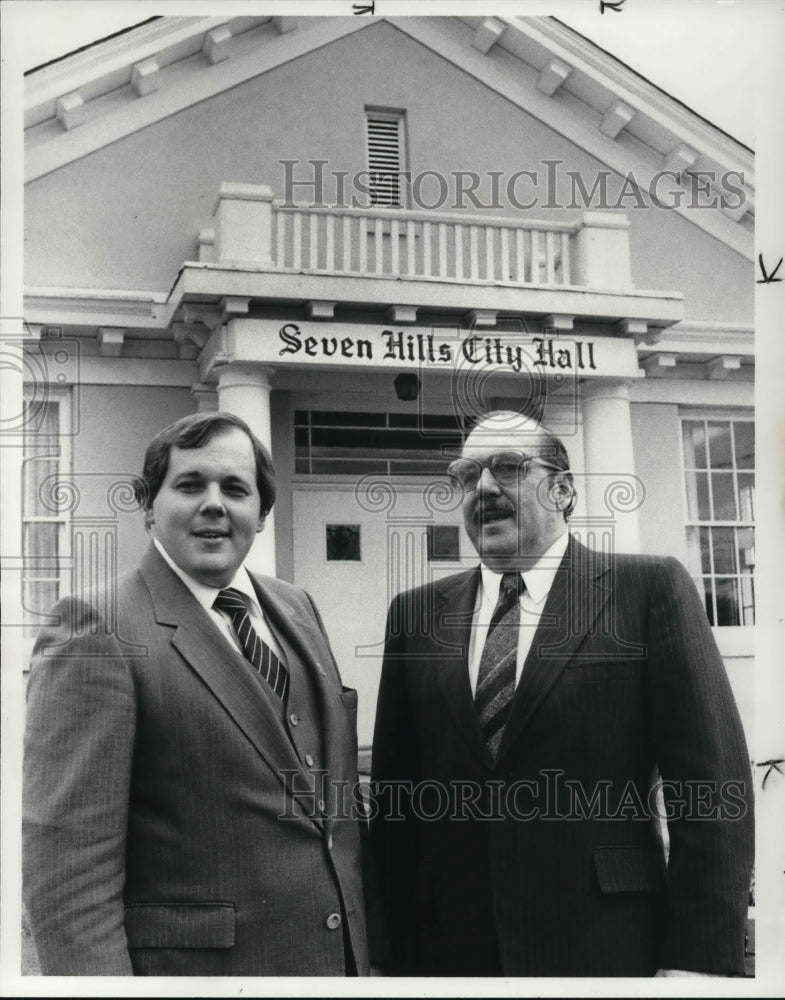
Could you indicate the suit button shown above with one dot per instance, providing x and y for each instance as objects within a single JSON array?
[
  {"x": 309, "y": 760},
  {"x": 320, "y": 805},
  {"x": 294, "y": 718},
  {"x": 330, "y": 842},
  {"x": 334, "y": 921}
]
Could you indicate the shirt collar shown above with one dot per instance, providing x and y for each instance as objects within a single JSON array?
[
  {"x": 538, "y": 578},
  {"x": 206, "y": 595}
]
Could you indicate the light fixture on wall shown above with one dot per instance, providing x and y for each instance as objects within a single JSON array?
[{"x": 407, "y": 387}]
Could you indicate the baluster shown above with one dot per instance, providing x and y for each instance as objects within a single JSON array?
[
  {"x": 490, "y": 271},
  {"x": 394, "y": 248},
  {"x": 426, "y": 249},
  {"x": 410, "y": 249},
  {"x": 506, "y": 274},
  {"x": 313, "y": 254},
  {"x": 565, "y": 258},
  {"x": 297, "y": 241},
  {"x": 520, "y": 257},
  {"x": 535, "y": 264},
  {"x": 329, "y": 264},
  {"x": 363, "y": 222},
  {"x": 347, "y": 243},
  {"x": 459, "y": 268},
  {"x": 474, "y": 261},
  {"x": 442, "y": 250},
  {"x": 550, "y": 254},
  {"x": 280, "y": 231},
  {"x": 378, "y": 246}
]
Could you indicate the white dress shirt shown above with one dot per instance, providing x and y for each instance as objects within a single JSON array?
[
  {"x": 206, "y": 595},
  {"x": 538, "y": 580}
]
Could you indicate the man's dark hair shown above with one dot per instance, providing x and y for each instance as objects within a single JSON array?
[{"x": 194, "y": 431}]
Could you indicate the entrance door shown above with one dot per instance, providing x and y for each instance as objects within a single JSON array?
[{"x": 355, "y": 547}]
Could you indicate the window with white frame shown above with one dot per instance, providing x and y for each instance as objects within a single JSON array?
[
  {"x": 384, "y": 134},
  {"x": 45, "y": 518},
  {"x": 719, "y": 476}
]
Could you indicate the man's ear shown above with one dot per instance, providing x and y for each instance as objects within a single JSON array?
[
  {"x": 560, "y": 493},
  {"x": 260, "y": 524},
  {"x": 149, "y": 518}
]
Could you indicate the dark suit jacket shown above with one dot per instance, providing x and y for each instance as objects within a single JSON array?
[
  {"x": 169, "y": 827},
  {"x": 548, "y": 857}
]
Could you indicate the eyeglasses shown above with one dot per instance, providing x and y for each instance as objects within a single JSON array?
[{"x": 507, "y": 468}]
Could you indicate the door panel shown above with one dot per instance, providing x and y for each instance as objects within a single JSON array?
[{"x": 394, "y": 521}]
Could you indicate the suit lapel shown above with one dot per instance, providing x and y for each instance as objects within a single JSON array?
[
  {"x": 453, "y": 615},
  {"x": 580, "y": 591},
  {"x": 223, "y": 669}
]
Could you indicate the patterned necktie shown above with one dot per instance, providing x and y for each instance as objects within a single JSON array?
[
  {"x": 256, "y": 651},
  {"x": 496, "y": 677}
]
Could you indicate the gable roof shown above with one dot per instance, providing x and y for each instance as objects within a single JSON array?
[{"x": 108, "y": 90}]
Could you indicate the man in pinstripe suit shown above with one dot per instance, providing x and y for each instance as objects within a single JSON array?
[
  {"x": 525, "y": 710},
  {"x": 185, "y": 761}
]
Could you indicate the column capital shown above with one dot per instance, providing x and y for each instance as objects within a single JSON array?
[
  {"x": 606, "y": 388},
  {"x": 245, "y": 373}
]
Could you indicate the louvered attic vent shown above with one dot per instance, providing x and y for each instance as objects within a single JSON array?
[{"x": 384, "y": 159}]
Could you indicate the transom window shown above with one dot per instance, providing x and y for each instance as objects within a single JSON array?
[
  {"x": 719, "y": 475},
  {"x": 393, "y": 444}
]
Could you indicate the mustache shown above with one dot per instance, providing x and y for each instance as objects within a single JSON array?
[{"x": 483, "y": 508}]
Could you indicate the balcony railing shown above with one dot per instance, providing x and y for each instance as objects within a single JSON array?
[
  {"x": 396, "y": 243},
  {"x": 255, "y": 230}
]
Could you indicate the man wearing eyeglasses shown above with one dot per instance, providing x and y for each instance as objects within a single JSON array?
[{"x": 539, "y": 718}]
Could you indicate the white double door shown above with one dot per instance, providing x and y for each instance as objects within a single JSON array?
[{"x": 394, "y": 521}]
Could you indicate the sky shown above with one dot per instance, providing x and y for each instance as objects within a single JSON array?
[{"x": 701, "y": 51}]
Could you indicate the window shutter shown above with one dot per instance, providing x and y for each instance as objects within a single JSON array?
[{"x": 384, "y": 159}]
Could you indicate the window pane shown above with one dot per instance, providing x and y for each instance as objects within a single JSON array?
[
  {"x": 747, "y": 600},
  {"x": 724, "y": 550},
  {"x": 708, "y": 598},
  {"x": 727, "y": 601},
  {"x": 744, "y": 434},
  {"x": 39, "y": 598},
  {"x": 694, "y": 444},
  {"x": 698, "y": 496},
  {"x": 41, "y": 546},
  {"x": 345, "y": 418},
  {"x": 722, "y": 495},
  {"x": 746, "y": 482},
  {"x": 746, "y": 544},
  {"x": 719, "y": 445},
  {"x": 350, "y": 466},
  {"x": 40, "y": 487},
  {"x": 443, "y": 542},
  {"x": 705, "y": 550},
  {"x": 695, "y": 550},
  {"x": 343, "y": 542}
]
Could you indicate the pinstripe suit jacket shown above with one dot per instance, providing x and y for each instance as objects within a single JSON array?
[
  {"x": 549, "y": 857},
  {"x": 169, "y": 827}
]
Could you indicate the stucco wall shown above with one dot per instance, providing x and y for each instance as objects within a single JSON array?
[{"x": 116, "y": 425}]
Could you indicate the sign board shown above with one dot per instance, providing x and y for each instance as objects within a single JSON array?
[{"x": 373, "y": 348}]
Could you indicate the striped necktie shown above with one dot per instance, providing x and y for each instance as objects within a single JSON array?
[
  {"x": 496, "y": 677},
  {"x": 255, "y": 650}
]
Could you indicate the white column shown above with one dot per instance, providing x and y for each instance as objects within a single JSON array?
[
  {"x": 244, "y": 389},
  {"x": 613, "y": 492}
]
